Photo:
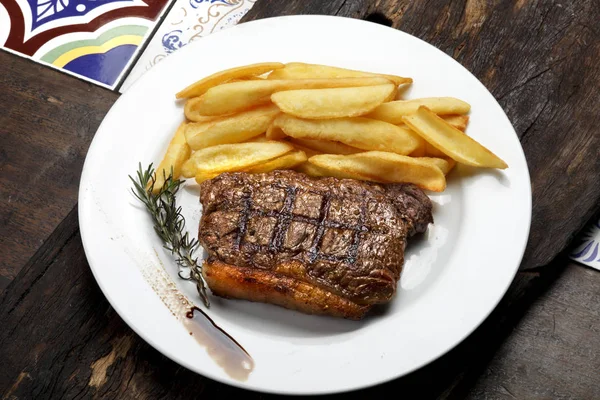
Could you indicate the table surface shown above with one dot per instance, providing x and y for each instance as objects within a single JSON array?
[{"x": 61, "y": 339}]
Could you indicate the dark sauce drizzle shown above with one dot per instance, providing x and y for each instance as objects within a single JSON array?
[{"x": 220, "y": 345}]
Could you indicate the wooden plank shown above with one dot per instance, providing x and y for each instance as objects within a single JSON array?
[
  {"x": 71, "y": 344},
  {"x": 47, "y": 122},
  {"x": 554, "y": 351},
  {"x": 539, "y": 59}
]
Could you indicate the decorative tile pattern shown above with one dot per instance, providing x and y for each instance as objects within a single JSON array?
[
  {"x": 187, "y": 21},
  {"x": 587, "y": 247},
  {"x": 95, "y": 40}
]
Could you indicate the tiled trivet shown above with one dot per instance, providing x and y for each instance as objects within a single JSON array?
[
  {"x": 94, "y": 40},
  {"x": 587, "y": 247},
  {"x": 187, "y": 21},
  {"x": 101, "y": 40}
]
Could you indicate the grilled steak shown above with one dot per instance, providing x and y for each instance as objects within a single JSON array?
[{"x": 318, "y": 245}]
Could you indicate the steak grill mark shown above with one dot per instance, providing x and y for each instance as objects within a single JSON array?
[{"x": 284, "y": 218}]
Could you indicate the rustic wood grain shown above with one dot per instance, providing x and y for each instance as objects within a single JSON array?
[
  {"x": 46, "y": 124},
  {"x": 553, "y": 352},
  {"x": 71, "y": 344},
  {"x": 61, "y": 339}
]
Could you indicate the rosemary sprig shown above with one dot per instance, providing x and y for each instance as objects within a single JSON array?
[{"x": 169, "y": 224}]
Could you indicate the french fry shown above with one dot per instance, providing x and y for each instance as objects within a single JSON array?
[
  {"x": 430, "y": 151},
  {"x": 421, "y": 149},
  {"x": 297, "y": 70},
  {"x": 445, "y": 164},
  {"x": 200, "y": 87},
  {"x": 358, "y": 132},
  {"x": 247, "y": 78},
  {"x": 385, "y": 167},
  {"x": 258, "y": 139},
  {"x": 274, "y": 132},
  {"x": 231, "y": 157},
  {"x": 307, "y": 150},
  {"x": 229, "y": 98},
  {"x": 458, "y": 121},
  {"x": 202, "y": 176},
  {"x": 286, "y": 161},
  {"x": 393, "y": 111},
  {"x": 323, "y": 121},
  {"x": 332, "y": 103},
  {"x": 325, "y": 146},
  {"x": 234, "y": 129},
  {"x": 191, "y": 112},
  {"x": 310, "y": 169},
  {"x": 451, "y": 141},
  {"x": 315, "y": 171},
  {"x": 177, "y": 153},
  {"x": 392, "y": 95}
]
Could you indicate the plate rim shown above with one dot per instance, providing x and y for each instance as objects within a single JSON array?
[{"x": 85, "y": 234}]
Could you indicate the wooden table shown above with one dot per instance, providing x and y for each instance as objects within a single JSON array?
[{"x": 59, "y": 338}]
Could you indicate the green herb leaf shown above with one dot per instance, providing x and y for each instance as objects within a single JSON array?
[{"x": 169, "y": 224}]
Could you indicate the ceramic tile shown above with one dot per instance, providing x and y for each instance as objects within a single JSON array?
[
  {"x": 586, "y": 248},
  {"x": 187, "y": 21},
  {"x": 95, "y": 40}
]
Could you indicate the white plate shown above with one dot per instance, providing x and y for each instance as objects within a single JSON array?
[{"x": 453, "y": 277}]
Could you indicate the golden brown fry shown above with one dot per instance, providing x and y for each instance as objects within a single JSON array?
[
  {"x": 191, "y": 112},
  {"x": 234, "y": 129},
  {"x": 307, "y": 150},
  {"x": 310, "y": 169},
  {"x": 297, "y": 70},
  {"x": 325, "y": 146},
  {"x": 202, "y": 176},
  {"x": 392, "y": 95},
  {"x": 315, "y": 171},
  {"x": 229, "y": 98},
  {"x": 362, "y": 133},
  {"x": 258, "y": 139},
  {"x": 393, "y": 111},
  {"x": 274, "y": 132},
  {"x": 200, "y": 87},
  {"x": 421, "y": 149},
  {"x": 177, "y": 153},
  {"x": 332, "y": 103},
  {"x": 424, "y": 148},
  {"x": 385, "y": 167},
  {"x": 231, "y": 157},
  {"x": 429, "y": 151},
  {"x": 247, "y": 78},
  {"x": 458, "y": 121},
  {"x": 445, "y": 164},
  {"x": 451, "y": 141},
  {"x": 286, "y": 161}
]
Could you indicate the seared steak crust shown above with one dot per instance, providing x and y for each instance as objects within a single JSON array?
[
  {"x": 259, "y": 285},
  {"x": 342, "y": 236}
]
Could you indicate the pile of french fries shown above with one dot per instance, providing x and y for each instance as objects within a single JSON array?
[{"x": 323, "y": 121}]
